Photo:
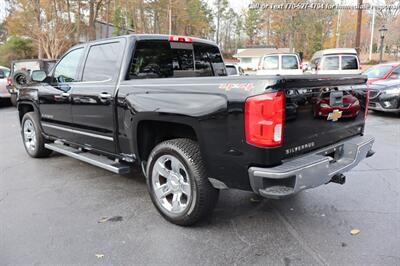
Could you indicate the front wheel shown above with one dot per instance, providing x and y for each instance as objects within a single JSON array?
[
  {"x": 178, "y": 184},
  {"x": 32, "y": 136}
]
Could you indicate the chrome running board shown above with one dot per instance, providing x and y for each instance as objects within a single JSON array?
[{"x": 87, "y": 157}]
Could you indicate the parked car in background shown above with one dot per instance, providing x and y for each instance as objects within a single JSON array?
[
  {"x": 4, "y": 73},
  {"x": 234, "y": 70},
  {"x": 383, "y": 71},
  {"x": 20, "y": 73},
  {"x": 341, "y": 101},
  {"x": 335, "y": 61},
  {"x": 280, "y": 64},
  {"x": 384, "y": 96}
]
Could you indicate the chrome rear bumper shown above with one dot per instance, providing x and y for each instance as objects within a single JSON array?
[{"x": 310, "y": 170}]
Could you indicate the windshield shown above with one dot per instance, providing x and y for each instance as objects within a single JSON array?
[
  {"x": 231, "y": 70},
  {"x": 28, "y": 66},
  {"x": 377, "y": 71}
]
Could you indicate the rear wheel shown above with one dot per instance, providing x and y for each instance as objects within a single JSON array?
[
  {"x": 33, "y": 137},
  {"x": 178, "y": 184}
]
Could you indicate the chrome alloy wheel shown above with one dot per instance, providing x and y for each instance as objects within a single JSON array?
[
  {"x": 171, "y": 184},
  {"x": 29, "y": 135}
]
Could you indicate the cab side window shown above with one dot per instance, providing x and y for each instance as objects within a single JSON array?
[
  {"x": 102, "y": 62},
  {"x": 66, "y": 70}
]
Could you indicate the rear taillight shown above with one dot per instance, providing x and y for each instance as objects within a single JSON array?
[
  {"x": 264, "y": 117},
  {"x": 9, "y": 81}
]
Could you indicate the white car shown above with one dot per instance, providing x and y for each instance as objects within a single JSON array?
[
  {"x": 280, "y": 64},
  {"x": 234, "y": 70},
  {"x": 4, "y": 73},
  {"x": 335, "y": 61}
]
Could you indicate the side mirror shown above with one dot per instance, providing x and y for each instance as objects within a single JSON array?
[
  {"x": 2, "y": 75},
  {"x": 38, "y": 75},
  {"x": 394, "y": 76}
]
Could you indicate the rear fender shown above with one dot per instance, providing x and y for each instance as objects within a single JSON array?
[{"x": 190, "y": 104}]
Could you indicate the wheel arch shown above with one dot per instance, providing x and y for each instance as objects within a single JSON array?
[
  {"x": 149, "y": 133},
  {"x": 25, "y": 107}
]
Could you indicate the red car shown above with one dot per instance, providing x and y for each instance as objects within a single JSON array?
[
  {"x": 349, "y": 109},
  {"x": 383, "y": 71}
]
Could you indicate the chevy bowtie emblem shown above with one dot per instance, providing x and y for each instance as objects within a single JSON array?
[{"x": 335, "y": 115}]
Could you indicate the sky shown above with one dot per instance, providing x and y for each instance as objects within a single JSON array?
[
  {"x": 2, "y": 10},
  {"x": 237, "y": 5}
]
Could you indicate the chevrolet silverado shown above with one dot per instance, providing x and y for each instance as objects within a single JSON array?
[{"x": 167, "y": 104}]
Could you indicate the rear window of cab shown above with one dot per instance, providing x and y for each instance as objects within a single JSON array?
[{"x": 164, "y": 59}]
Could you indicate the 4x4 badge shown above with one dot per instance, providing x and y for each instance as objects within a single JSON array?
[{"x": 335, "y": 115}]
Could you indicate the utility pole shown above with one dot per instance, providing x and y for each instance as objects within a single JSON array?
[
  {"x": 170, "y": 17},
  {"x": 372, "y": 34},
  {"x": 338, "y": 21},
  {"x": 39, "y": 24},
  {"x": 359, "y": 19},
  {"x": 218, "y": 20}
]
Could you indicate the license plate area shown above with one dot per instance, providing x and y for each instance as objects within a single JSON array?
[{"x": 336, "y": 98}]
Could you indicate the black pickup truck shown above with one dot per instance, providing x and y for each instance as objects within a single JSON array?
[{"x": 166, "y": 103}]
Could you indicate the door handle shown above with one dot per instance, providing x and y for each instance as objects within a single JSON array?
[{"x": 104, "y": 96}]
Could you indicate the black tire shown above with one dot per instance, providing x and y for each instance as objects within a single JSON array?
[
  {"x": 37, "y": 150},
  {"x": 13, "y": 99},
  {"x": 203, "y": 195}
]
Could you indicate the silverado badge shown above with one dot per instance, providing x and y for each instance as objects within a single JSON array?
[{"x": 335, "y": 115}]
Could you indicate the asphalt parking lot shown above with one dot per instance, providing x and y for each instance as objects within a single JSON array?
[{"x": 55, "y": 210}]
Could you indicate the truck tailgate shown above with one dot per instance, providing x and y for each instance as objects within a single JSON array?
[{"x": 321, "y": 110}]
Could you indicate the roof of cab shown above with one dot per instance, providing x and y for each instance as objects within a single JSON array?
[
  {"x": 145, "y": 37},
  {"x": 335, "y": 51},
  {"x": 165, "y": 37}
]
